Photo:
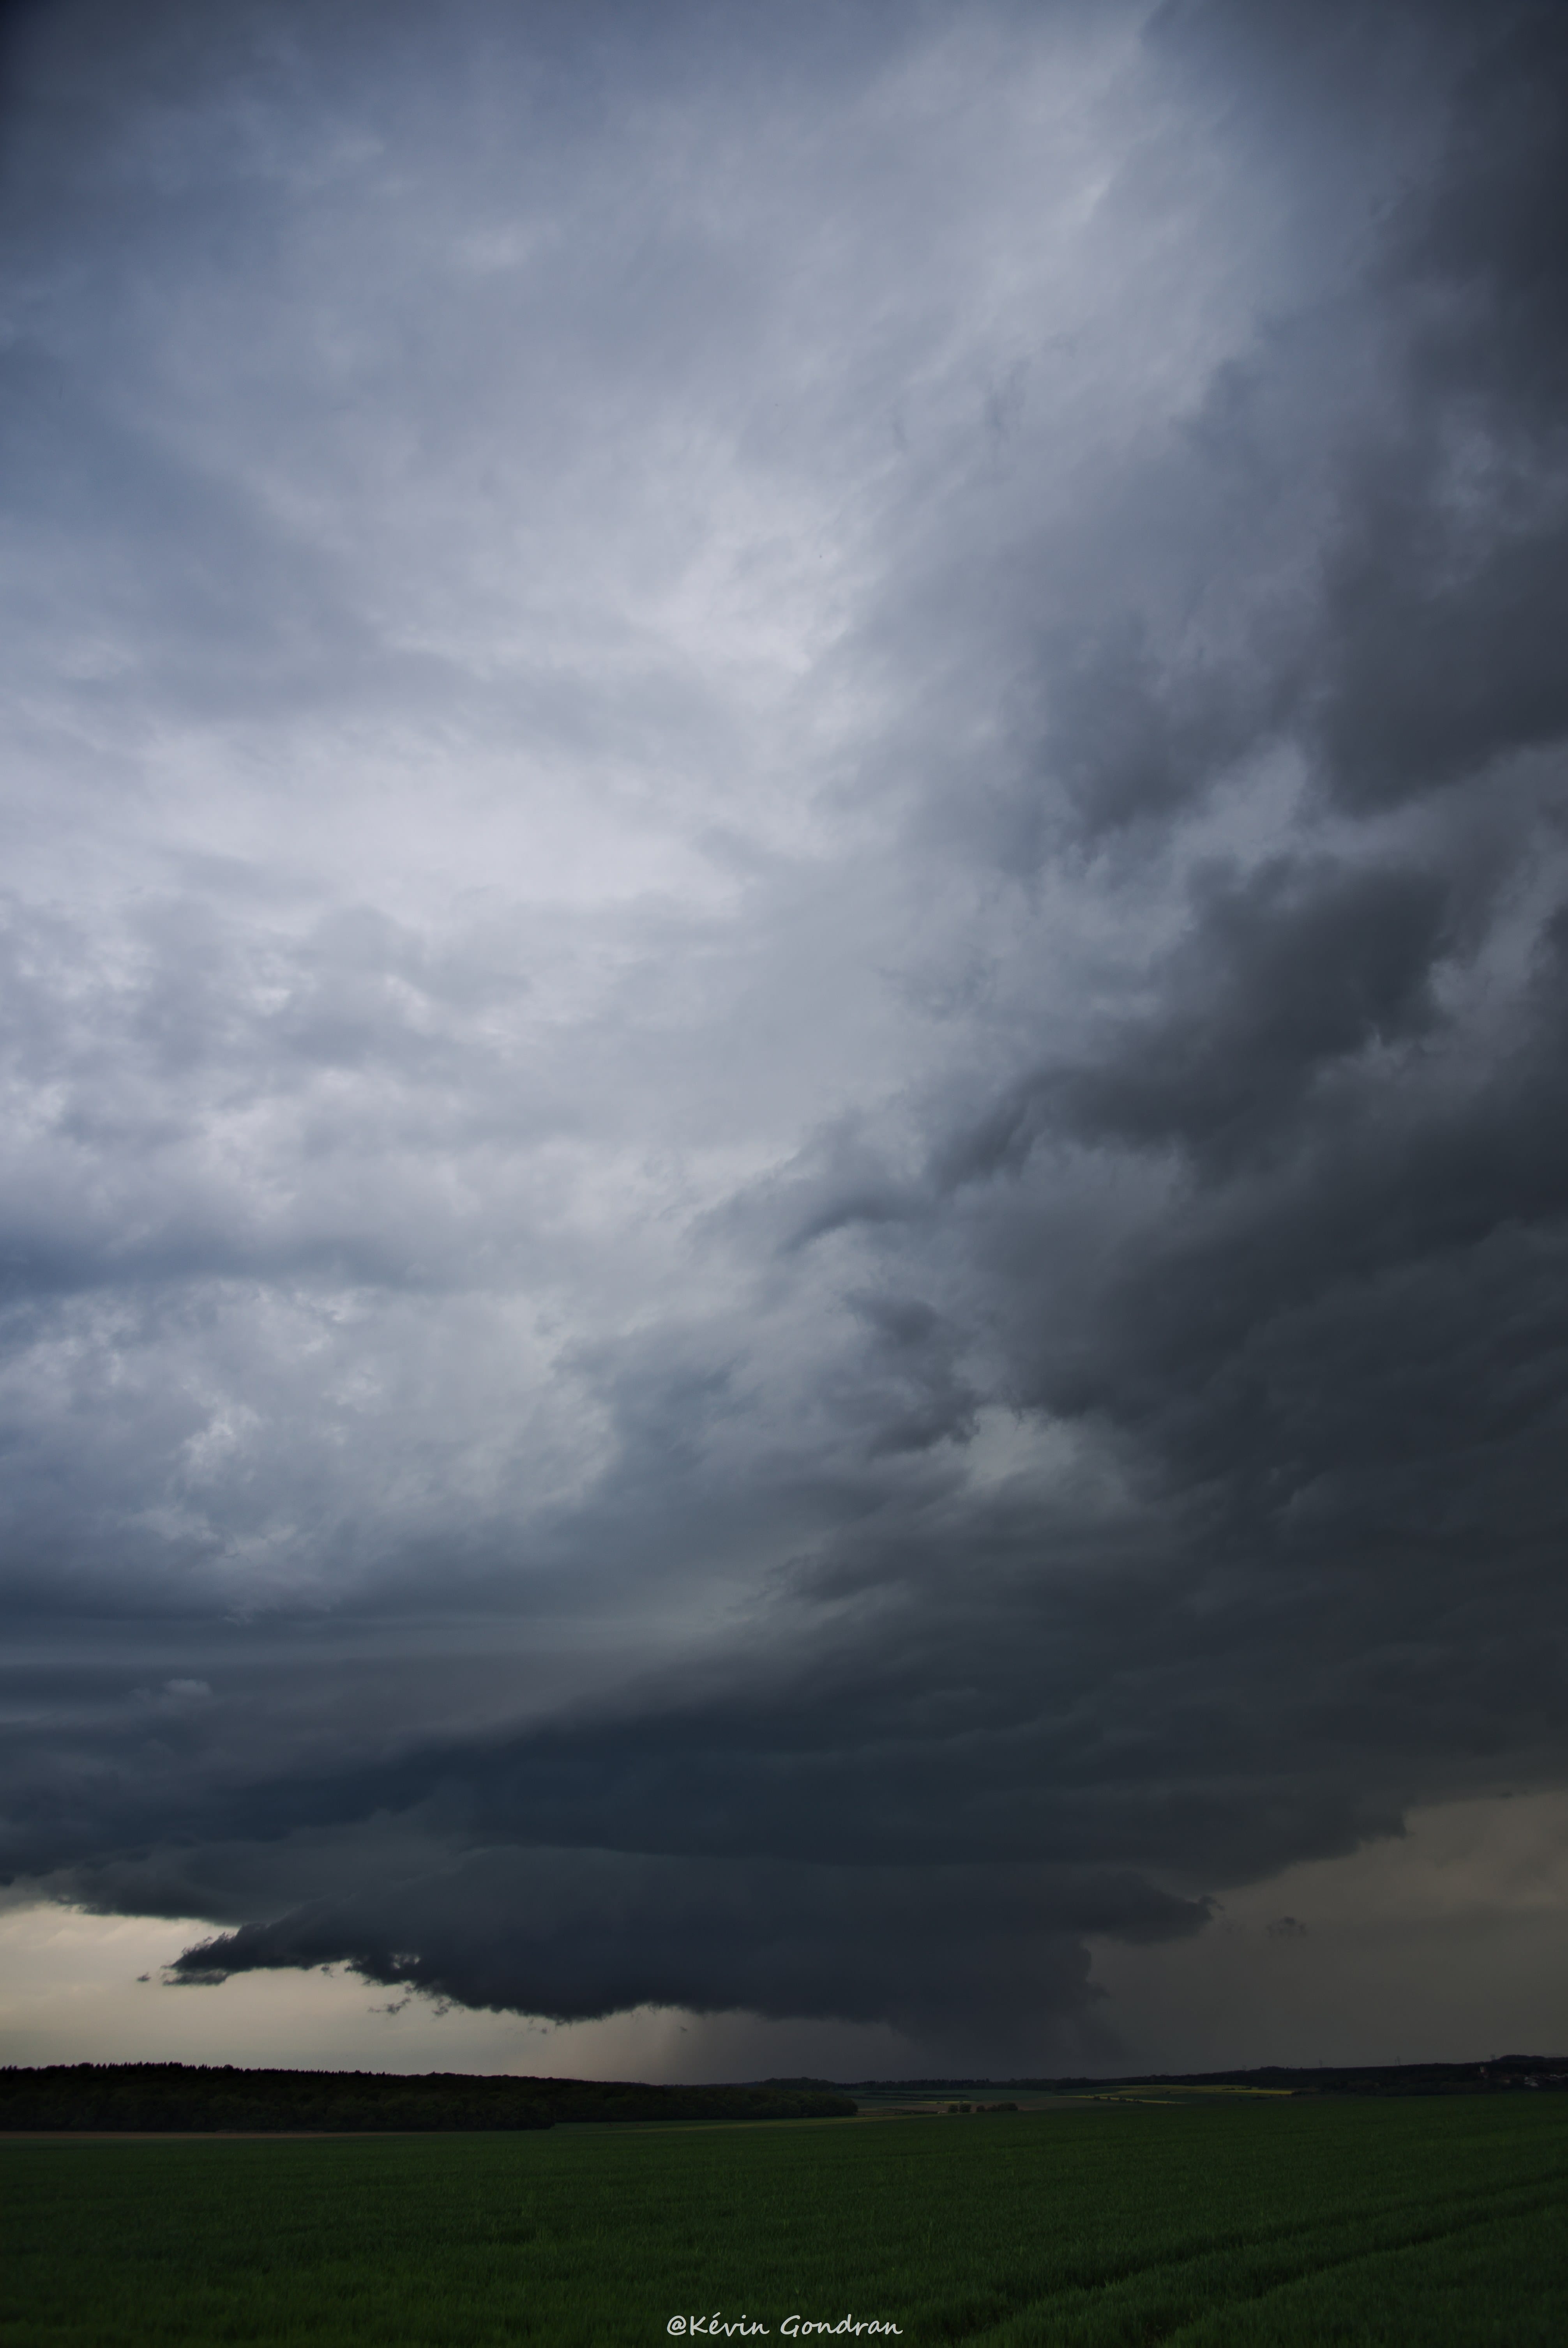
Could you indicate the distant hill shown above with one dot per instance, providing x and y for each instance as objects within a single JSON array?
[
  {"x": 1504, "y": 2072},
  {"x": 207, "y": 2098}
]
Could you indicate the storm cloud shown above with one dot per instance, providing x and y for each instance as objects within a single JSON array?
[{"x": 785, "y": 1200}]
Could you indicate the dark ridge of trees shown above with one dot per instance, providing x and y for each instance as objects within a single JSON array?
[
  {"x": 209, "y": 2097},
  {"x": 1508, "y": 2071},
  {"x": 1504, "y": 2072}
]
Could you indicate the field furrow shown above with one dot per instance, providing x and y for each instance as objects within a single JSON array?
[{"x": 1273, "y": 2223}]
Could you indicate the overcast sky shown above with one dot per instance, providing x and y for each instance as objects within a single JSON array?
[{"x": 786, "y": 1162}]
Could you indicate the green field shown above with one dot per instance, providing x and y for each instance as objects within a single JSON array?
[{"x": 1234, "y": 2219}]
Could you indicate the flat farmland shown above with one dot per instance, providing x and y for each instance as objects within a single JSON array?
[{"x": 1231, "y": 2220}]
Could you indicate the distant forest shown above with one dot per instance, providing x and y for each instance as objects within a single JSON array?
[
  {"x": 1504, "y": 2072},
  {"x": 216, "y": 2098}
]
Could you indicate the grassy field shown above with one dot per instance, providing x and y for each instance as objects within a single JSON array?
[{"x": 1229, "y": 2220}]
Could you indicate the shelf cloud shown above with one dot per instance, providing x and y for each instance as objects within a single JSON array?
[{"x": 785, "y": 1191}]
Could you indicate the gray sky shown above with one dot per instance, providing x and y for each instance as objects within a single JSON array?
[{"x": 787, "y": 964}]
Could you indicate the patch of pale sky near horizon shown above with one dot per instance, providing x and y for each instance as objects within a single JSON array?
[
  {"x": 69, "y": 1993},
  {"x": 1397, "y": 1938},
  {"x": 1440, "y": 1945}
]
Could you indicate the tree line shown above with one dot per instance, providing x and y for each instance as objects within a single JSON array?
[{"x": 220, "y": 2098}]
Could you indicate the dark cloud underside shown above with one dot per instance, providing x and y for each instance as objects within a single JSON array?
[{"x": 787, "y": 1202}]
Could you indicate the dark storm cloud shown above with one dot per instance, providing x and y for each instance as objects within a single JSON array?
[
  {"x": 974, "y": 1350},
  {"x": 1423, "y": 483},
  {"x": 583, "y": 1933},
  {"x": 1287, "y": 974}
]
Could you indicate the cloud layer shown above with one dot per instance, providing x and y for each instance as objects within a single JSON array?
[{"x": 786, "y": 965}]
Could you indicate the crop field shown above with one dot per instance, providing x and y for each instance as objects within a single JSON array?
[{"x": 1254, "y": 2220}]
